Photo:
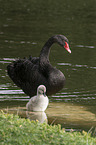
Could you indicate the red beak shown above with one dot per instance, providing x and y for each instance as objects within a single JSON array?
[{"x": 67, "y": 47}]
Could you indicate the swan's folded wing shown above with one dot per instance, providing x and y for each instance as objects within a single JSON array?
[
  {"x": 33, "y": 100},
  {"x": 22, "y": 73}
]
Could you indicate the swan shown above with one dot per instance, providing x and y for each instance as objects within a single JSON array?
[
  {"x": 39, "y": 102},
  {"x": 29, "y": 73}
]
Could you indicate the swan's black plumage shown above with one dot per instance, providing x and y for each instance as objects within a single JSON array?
[{"x": 29, "y": 73}]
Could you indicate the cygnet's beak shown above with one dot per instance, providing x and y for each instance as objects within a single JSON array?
[{"x": 44, "y": 94}]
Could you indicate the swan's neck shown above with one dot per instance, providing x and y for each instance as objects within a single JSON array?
[{"x": 44, "y": 54}]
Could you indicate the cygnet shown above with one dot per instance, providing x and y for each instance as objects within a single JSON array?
[{"x": 39, "y": 102}]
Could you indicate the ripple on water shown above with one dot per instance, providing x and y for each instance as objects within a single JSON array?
[
  {"x": 11, "y": 92},
  {"x": 63, "y": 96},
  {"x": 81, "y": 97},
  {"x": 77, "y": 65},
  {"x": 84, "y": 46}
]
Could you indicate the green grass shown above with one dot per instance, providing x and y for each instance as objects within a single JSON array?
[{"x": 17, "y": 131}]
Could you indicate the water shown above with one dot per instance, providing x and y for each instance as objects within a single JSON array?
[{"x": 24, "y": 28}]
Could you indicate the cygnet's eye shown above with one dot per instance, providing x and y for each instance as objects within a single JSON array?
[{"x": 41, "y": 91}]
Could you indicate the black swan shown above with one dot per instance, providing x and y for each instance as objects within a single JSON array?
[
  {"x": 38, "y": 102},
  {"x": 29, "y": 73}
]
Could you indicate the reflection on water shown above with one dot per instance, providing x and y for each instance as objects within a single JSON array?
[
  {"x": 40, "y": 116},
  {"x": 68, "y": 115}
]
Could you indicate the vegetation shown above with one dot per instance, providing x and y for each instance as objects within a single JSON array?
[{"x": 17, "y": 131}]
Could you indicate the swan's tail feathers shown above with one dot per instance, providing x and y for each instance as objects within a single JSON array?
[
  {"x": 10, "y": 70},
  {"x": 14, "y": 70}
]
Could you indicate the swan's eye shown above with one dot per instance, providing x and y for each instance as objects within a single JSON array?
[{"x": 64, "y": 43}]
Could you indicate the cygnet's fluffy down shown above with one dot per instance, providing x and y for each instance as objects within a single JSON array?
[{"x": 39, "y": 102}]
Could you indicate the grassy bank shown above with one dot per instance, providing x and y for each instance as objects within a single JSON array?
[{"x": 17, "y": 131}]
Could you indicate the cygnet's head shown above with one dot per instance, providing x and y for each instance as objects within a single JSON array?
[{"x": 41, "y": 90}]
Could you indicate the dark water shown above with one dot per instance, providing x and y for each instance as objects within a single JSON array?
[{"x": 24, "y": 28}]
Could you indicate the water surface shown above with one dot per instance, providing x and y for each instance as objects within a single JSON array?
[{"x": 24, "y": 28}]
